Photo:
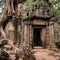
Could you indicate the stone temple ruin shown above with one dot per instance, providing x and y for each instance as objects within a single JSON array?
[
  {"x": 37, "y": 30},
  {"x": 19, "y": 35}
]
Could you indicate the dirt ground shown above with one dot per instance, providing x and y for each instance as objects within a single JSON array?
[{"x": 45, "y": 54}]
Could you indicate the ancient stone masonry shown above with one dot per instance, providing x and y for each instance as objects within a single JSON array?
[
  {"x": 36, "y": 30},
  {"x": 40, "y": 22},
  {"x": 25, "y": 38}
]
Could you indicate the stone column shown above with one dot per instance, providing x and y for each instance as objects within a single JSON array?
[
  {"x": 43, "y": 33},
  {"x": 30, "y": 38},
  {"x": 52, "y": 41},
  {"x": 56, "y": 33},
  {"x": 22, "y": 33},
  {"x": 47, "y": 37},
  {"x": 25, "y": 32}
]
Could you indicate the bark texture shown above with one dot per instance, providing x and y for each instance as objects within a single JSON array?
[{"x": 7, "y": 12}]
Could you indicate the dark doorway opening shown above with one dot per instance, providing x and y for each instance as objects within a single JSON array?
[{"x": 37, "y": 37}]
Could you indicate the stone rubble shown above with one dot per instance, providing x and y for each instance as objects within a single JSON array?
[{"x": 8, "y": 51}]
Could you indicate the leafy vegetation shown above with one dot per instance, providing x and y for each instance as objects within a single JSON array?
[
  {"x": 2, "y": 5},
  {"x": 29, "y": 6},
  {"x": 56, "y": 6}
]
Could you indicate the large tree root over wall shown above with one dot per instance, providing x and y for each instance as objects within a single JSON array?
[{"x": 8, "y": 11}]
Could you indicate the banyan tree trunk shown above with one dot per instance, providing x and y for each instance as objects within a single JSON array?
[{"x": 8, "y": 11}]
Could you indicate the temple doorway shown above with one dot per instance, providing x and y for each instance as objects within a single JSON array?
[{"x": 37, "y": 37}]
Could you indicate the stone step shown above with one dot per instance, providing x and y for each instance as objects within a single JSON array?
[{"x": 37, "y": 47}]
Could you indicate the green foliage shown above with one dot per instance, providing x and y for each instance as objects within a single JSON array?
[
  {"x": 30, "y": 5},
  {"x": 27, "y": 8},
  {"x": 53, "y": 1},
  {"x": 56, "y": 6},
  {"x": 2, "y": 5}
]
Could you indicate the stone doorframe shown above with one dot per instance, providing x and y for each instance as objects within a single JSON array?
[{"x": 42, "y": 34}]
